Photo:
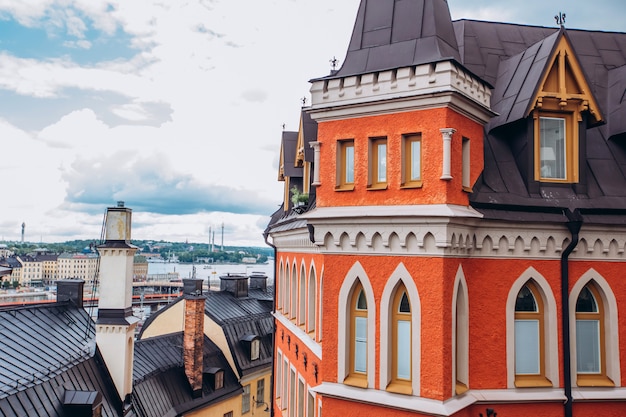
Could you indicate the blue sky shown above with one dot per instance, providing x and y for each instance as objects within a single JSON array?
[{"x": 175, "y": 107}]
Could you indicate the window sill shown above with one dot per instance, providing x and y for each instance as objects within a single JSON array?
[
  {"x": 594, "y": 381},
  {"x": 532, "y": 381},
  {"x": 377, "y": 187},
  {"x": 348, "y": 187},
  {"x": 410, "y": 185},
  {"x": 400, "y": 388},
  {"x": 356, "y": 381}
]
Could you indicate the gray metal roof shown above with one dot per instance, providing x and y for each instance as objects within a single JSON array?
[
  {"x": 160, "y": 387},
  {"x": 392, "y": 34},
  {"x": 47, "y": 349}
]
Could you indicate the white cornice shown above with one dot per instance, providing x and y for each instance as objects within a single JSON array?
[
  {"x": 404, "y": 89},
  {"x": 444, "y": 230}
]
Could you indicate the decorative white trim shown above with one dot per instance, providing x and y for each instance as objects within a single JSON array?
[
  {"x": 611, "y": 326},
  {"x": 460, "y": 283},
  {"x": 401, "y": 274},
  {"x": 598, "y": 394},
  {"x": 356, "y": 273},
  {"x": 316, "y": 160},
  {"x": 550, "y": 335},
  {"x": 422, "y": 86},
  {"x": 395, "y": 401},
  {"x": 446, "y": 135},
  {"x": 314, "y": 347}
]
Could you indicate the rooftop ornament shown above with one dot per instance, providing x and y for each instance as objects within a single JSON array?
[{"x": 560, "y": 19}]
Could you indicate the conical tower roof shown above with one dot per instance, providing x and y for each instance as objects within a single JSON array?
[{"x": 392, "y": 34}]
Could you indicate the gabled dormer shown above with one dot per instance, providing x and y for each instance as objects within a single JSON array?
[{"x": 562, "y": 101}]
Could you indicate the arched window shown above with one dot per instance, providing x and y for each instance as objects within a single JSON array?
[
  {"x": 529, "y": 338},
  {"x": 358, "y": 337},
  {"x": 401, "y": 348},
  {"x": 293, "y": 309},
  {"x": 286, "y": 292},
  {"x": 302, "y": 298},
  {"x": 312, "y": 302},
  {"x": 590, "y": 339},
  {"x": 461, "y": 340}
]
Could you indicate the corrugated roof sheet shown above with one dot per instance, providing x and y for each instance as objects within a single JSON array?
[{"x": 46, "y": 350}]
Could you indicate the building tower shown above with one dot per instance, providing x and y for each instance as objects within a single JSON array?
[
  {"x": 23, "y": 228},
  {"x": 115, "y": 325}
]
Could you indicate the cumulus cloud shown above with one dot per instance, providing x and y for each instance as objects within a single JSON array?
[{"x": 151, "y": 185}]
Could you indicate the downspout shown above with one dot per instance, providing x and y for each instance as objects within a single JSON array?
[
  {"x": 574, "y": 223},
  {"x": 271, "y": 399}
]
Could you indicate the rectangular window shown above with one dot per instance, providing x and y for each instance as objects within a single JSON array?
[
  {"x": 404, "y": 349},
  {"x": 552, "y": 148},
  {"x": 300, "y": 398},
  {"x": 411, "y": 160},
  {"x": 588, "y": 346},
  {"x": 360, "y": 348},
  {"x": 527, "y": 355},
  {"x": 285, "y": 384},
  {"x": 466, "y": 164},
  {"x": 345, "y": 164},
  {"x": 378, "y": 163},
  {"x": 292, "y": 393},
  {"x": 229, "y": 414},
  {"x": 310, "y": 405},
  {"x": 279, "y": 375},
  {"x": 260, "y": 392},
  {"x": 245, "y": 399}
]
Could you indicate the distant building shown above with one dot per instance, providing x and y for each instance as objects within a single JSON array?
[
  {"x": 461, "y": 252},
  {"x": 78, "y": 266}
]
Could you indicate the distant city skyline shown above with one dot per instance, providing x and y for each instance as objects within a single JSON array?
[{"x": 176, "y": 108}]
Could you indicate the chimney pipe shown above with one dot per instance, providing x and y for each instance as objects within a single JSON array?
[{"x": 193, "y": 334}]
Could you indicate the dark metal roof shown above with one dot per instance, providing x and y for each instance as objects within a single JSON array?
[
  {"x": 392, "y": 34},
  {"x": 48, "y": 349},
  {"x": 160, "y": 387},
  {"x": 244, "y": 316},
  {"x": 290, "y": 141},
  {"x": 309, "y": 130}
]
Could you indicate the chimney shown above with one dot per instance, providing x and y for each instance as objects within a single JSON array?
[
  {"x": 193, "y": 334},
  {"x": 258, "y": 281},
  {"x": 115, "y": 325},
  {"x": 70, "y": 290},
  {"x": 236, "y": 284}
]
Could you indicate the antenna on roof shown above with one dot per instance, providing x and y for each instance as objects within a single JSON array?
[{"x": 560, "y": 19}]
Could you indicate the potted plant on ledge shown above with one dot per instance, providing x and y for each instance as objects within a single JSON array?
[{"x": 297, "y": 198}]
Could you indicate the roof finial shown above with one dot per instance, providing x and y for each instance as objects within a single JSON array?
[
  {"x": 333, "y": 63},
  {"x": 303, "y": 100},
  {"x": 560, "y": 19}
]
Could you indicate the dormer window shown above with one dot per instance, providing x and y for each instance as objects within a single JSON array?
[
  {"x": 252, "y": 343},
  {"x": 216, "y": 378},
  {"x": 564, "y": 95}
]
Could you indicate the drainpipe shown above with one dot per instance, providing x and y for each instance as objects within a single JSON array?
[
  {"x": 574, "y": 222},
  {"x": 272, "y": 393}
]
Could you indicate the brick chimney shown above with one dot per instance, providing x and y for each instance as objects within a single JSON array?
[{"x": 193, "y": 334}]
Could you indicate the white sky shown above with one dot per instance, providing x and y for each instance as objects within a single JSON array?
[{"x": 175, "y": 107}]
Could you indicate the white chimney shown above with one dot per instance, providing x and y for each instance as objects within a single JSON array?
[{"x": 115, "y": 326}]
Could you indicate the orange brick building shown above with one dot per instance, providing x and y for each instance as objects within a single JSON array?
[{"x": 460, "y": 247}]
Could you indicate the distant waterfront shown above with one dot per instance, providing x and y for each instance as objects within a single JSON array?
[{"x": 211, "y": 272}]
